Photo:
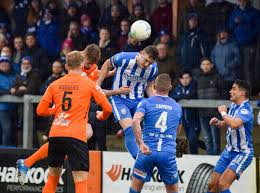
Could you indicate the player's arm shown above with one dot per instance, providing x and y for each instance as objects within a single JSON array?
[
  {"x": 43, "y": 108},
  {"x": 138, "y": 116},
  {"x": 104, "y": 71},
  {"x": 121, "y": 90},
  {"x": 101, "y": 99},
  {"x": 233, "y": 122},
  {"x": 216, "y": 122},
  {"x": 150, "y": 88}
]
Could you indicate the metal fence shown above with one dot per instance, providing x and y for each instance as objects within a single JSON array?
[{"x": 29, "y": 100}]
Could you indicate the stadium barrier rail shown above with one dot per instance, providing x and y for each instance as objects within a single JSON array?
[{"x": 29, "y": 100}]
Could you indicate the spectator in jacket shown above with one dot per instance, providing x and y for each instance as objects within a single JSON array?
[
  {"x": 192, "y": 6},
  {"x": 123, "y": 11},
  {"x": 48, "y": 34},
  {"x": 187, "y": 89},
  {"x": 28, "y": 81},
  {"x": 79, "y": 40},
  {"x": 138, "y": 13},
  {"x": 18, "y": 49},
  {"x": 226, "y": 56},
  {"x": 161, "y": 17},
  {"x": 34, "y": 14},
  {"x": 124, "y": 30},
  {"x": 209, "y": 87},
  {"x": 39, "y": 57},
  {"x": 7, "y": 78},
  {"x": 165, "y": 37},
  {"x": 216, "y": 14},
  {"x": 244, "y": 23},
  {"x": 91, "y": 8},
  {"x": 192, "y": 46},
  {"x": 65, "y": 49},
  {"x": 113, "y": 22},
  {"x": 88, "y": 29},
  {"x": 108, "y": 49},
  {"x": 165, "y": 62},
  {"x": 57, "y": 72}
]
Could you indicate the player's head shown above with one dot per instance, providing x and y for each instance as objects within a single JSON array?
[
  {"x": 163, "y": 84},
  {"x": 74, "y": 60},
  {"x": 147, "y": 56},
  {"x": 206, "y": 65},
  {"x": 185, "y": 77},
  {"x": 91, "y": 55},
  {"x": 240, "y": 90}
]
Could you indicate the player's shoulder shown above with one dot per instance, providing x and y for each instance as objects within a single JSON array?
[{"x": 246, "y": 108}]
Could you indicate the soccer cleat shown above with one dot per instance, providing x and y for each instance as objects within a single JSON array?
[{"x": 22, "y": 171}]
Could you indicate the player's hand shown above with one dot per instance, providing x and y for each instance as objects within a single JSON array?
[
  {"x": 12, "y": 91},
  {"x": 213, "y": 121},
  {"x": 124, "y": 90},
  {"x": 99, "y": 115},
  {"x": 145, "y": 149},
  {"x": 22, "y": 88},
  {"x": 222, "y": 108}
]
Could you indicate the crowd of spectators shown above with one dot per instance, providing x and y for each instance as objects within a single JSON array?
[{"x": 217, "y": 43}]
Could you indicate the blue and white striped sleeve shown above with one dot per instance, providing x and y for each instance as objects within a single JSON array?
[
  {"x": 154, "y": 72},
  {"x": 117, "y": 59}
]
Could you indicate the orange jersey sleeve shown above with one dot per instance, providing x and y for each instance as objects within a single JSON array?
[
  {"x": 91, "y": 72},
  {"x": 43, "y": 107}
]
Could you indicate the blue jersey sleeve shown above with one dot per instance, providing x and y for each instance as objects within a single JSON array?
[
  {"x": 141, "y": 107},
  {"x": 244, "y": 114},
  {"x": 117, "y": 59},
  {"x": 154, "y": 72}
]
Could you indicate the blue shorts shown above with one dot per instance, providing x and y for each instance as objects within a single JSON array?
[
  {"x": 164, "y": 161},
  {"x": 236, "y": 161},
  {"x": 123, "y": 108}
]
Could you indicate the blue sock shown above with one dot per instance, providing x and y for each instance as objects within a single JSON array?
[
  {"x": 225, "y": 191},
  {"x": 130, "y": 142},
  {"x": 133, "y": 191}
]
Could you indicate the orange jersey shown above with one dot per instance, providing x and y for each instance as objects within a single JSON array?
[
  {"x": 91, "y": 72},
  {"x": 71, "y": 97}
]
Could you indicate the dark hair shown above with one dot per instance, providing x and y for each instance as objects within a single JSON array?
[
  {"x": 30, "y": 34},
  {"x": 205, "y": 58},
  {"x": 151, "y": 51},
  {"x": 138, "y": 5},
  {"x": 244, "y": 85},
  {"x": 185, "y": 72},
  {"x": 163, "y": 83}
]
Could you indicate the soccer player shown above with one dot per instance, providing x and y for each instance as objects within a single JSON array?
[
  {"x": 162, "y": 118},
  {"x": 239, "y": 152},
  {"x": 136, "y": 70},
  {"x": 71, "y": 97},
  {"x": 89, "y": 68}
]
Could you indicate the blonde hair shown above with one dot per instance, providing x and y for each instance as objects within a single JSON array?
[{"x": 74, "y": 59}]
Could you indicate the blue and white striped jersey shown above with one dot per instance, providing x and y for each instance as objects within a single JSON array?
[
  {"x": 128, "y": 73},
  {"x": 240, "y": 139},
  {"x": 162, "y": 116}
]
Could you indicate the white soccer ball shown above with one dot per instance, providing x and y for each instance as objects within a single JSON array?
[{"x": 140, "y": 30}]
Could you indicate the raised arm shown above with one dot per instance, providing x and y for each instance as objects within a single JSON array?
[
  {"x": 101, "y": 99},
  {"x": 104, "y": 72},
  {"x": 43, "y": 108}
]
